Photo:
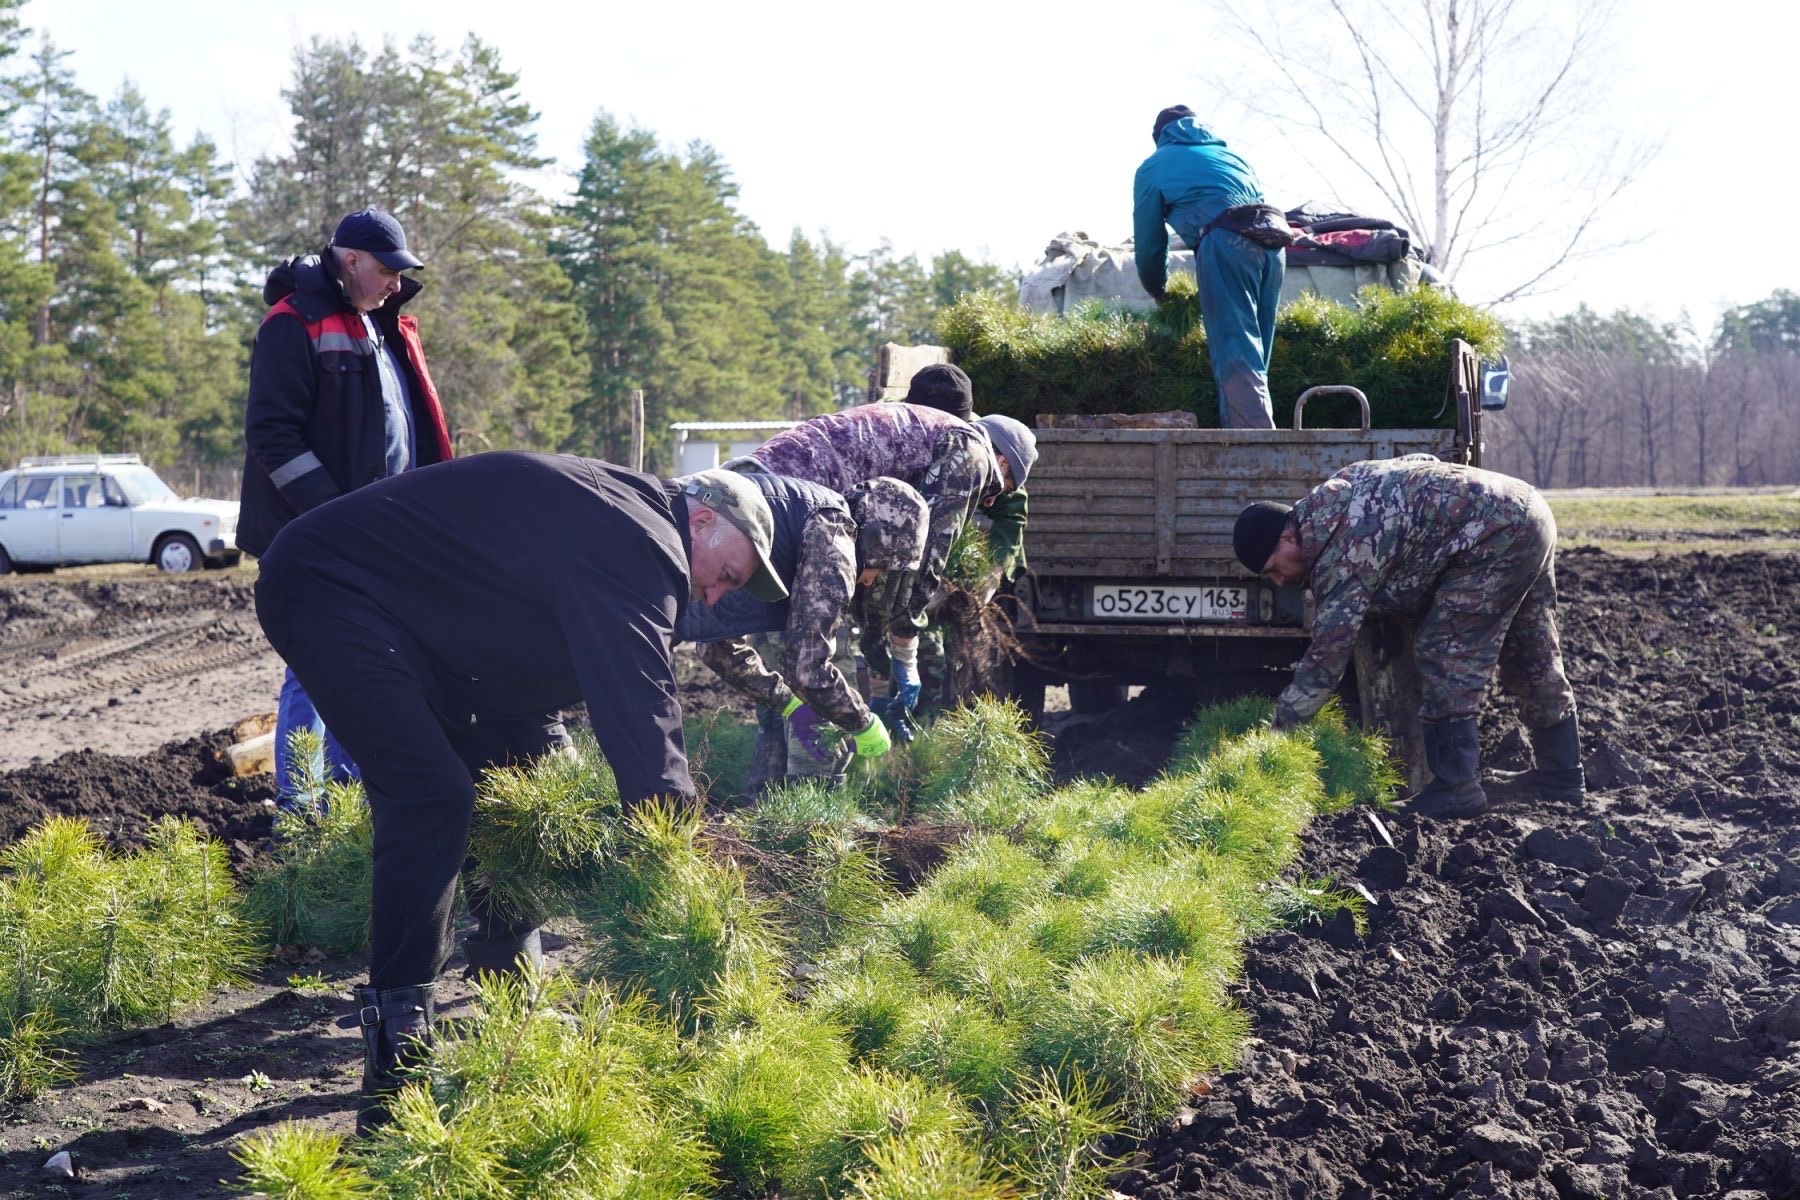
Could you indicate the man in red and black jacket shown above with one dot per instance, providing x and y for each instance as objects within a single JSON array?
[{"x": 339, "y": 397}]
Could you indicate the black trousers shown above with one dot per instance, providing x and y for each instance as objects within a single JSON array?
[{"x": 419, "y": 754}]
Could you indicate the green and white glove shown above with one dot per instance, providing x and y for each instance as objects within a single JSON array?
[{"x": 874, "y": 741}]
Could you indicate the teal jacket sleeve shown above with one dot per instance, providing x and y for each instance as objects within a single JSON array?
[{"x": 1150, "y": 236}]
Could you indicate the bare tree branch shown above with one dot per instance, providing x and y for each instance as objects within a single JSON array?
[{"x": 1473, "y": 119}]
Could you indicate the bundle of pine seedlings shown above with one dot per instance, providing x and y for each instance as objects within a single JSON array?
[
  {"x": 1395, "y": 346},
  {"x": 1058, "y": 980},
  {"x": 91, "y": 940}
]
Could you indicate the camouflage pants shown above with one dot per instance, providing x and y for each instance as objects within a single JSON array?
[
  {"x": 779, "y": 754},
  {"x": 1500, "y": 612},
  {"x": 934, "y": 671}
]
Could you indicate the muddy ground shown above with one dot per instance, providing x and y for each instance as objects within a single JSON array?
[
  {"x": 120, "y": 664},
  {"x": 1549, "y": 1001}
]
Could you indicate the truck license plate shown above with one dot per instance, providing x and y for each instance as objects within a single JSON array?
[{"x": 1123, "y": 601}]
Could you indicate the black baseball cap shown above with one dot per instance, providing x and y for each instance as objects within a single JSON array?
[{"x": 375, "y": 232}]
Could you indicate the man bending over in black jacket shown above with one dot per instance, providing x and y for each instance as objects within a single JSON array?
[{"x": 434, "y": 616}]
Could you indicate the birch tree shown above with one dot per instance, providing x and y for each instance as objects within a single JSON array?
[{"x": 1472, "y": 120}]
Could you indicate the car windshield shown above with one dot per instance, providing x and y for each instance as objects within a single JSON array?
[{"x": 142, "y": 486}]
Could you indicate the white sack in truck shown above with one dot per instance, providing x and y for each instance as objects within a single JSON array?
[{"x": 1076, "y": 268}]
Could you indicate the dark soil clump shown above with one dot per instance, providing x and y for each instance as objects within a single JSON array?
[{"x": 121, "y": 798}]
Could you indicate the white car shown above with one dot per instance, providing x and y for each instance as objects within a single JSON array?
[{"x": 64, "y": 509}]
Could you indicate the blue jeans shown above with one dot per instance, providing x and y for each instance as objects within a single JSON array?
[
  {"x": 295, "y": 713},
  {"x": 1240, "y": 283}
]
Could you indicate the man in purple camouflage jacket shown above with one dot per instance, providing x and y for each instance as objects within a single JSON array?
[
  {"x": 1472, "y": 554},
  {"x": 945, "y": 459}
]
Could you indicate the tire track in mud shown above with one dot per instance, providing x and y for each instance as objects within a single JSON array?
[
  {"x": 116, "y": 665},
  {"x": 189, "y": 664},
  {"x": 87, "y": 652}
]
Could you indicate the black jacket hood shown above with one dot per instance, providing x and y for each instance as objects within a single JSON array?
[{"x": 305, "y": 275}]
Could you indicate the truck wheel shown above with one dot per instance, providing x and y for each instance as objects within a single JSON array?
[
  {"x": 5, "y": 562},
  {"x": 177, "y": 552},
  {"x": 1026, "y": 690},
  {"x": 1090, "y": 698}
]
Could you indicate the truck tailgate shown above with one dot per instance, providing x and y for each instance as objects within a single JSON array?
[{"x": 1160, "y": 503}]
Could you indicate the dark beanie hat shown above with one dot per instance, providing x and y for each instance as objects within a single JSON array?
[
  {"x": 1172, "y": 113},
  {"x": 1257, "y": 531},
  {"x": 943, "y": 386}
]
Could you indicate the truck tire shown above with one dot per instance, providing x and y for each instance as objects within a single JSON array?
[
  {"x": 5, "y": 562},
  {"x": 1091, "y": 698},
  {"x": 177, "y": 552},
  {"x": 1026, "y": 689}
]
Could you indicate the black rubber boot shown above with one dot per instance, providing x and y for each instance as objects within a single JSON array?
[
  {"x": 1453, "y": 752},
  {"x": 1556, "y": 752},
  {"x": 396, "y": 1029},
  {"x": 500, "y": 951}
]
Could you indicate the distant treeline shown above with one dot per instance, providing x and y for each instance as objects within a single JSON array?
[
  {"x": 132, "y": 265},
  {"x": 1621, "y": 401}
]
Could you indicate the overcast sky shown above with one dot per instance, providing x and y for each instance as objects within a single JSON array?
[{"x": 990, "y": 126}]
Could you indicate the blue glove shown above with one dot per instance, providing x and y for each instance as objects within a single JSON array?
[
  {"x": 806, "y": 725},
  {"x": 903, "y": 689}
]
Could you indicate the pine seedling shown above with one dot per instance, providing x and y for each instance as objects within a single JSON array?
[
  {"x": 574, "y": 1091},
  {"x": 911, "y": 1169},
  {"x": 1250, "y": 799},
  {"x": 867, "y": 993},
  {"x": 425, "y": 1152},
  {"x": 997, "y": 966},
  {"x": 295, "y": 1161},
  {"x": 1139, "y": 1028},
  {"x": 671, "y": 918},
  {"x": 1358, "y": 765},
  {"x": 316, "y": 891},
  {"x": 720, "y": 746},
  {"x": 1061, "y": 928},
  {"x": 1085, "y": 867},
  {"x": 971, "y": 565},
  {"x": 1208, "y": 730},
  {"x": 177, "y": 935},
  {"x": 993, "y": 876},
  {"x": 755, "y": 1089},
  {"x": 957, "y": 1044},
  {"x": 541, "y": 833},
  {"x": 1052, "y": 1137},
  {"x": 90, "y": 940},
  {"x": 1311, "y": 900},
  {"x": 786, "y": 818},
  {"x": 1142, "y": 822},
  {"x": 33, "y": 1057},
  {"x": 1070, "y": 813},
  {"x": 924, "y": 925},
  {"x": 842, "y": 888},
  {"x": 866, "y": 1110},
  {"x": 1159, "y": 910},
  {"x": 982, "y": 761}
]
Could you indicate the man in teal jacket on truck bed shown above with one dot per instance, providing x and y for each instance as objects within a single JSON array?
[{"x": 1191, "y": 182}]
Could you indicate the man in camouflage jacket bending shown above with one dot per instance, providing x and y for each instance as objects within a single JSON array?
[
  {"x": 843, "y": 545},
  {"x": 1469, "y": 552},
  {"x": 951, "y": 464}
]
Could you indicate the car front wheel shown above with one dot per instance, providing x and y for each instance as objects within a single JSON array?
[
  {"x": 5, "y": 562},
  {"x": 177, "y": 552}
]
